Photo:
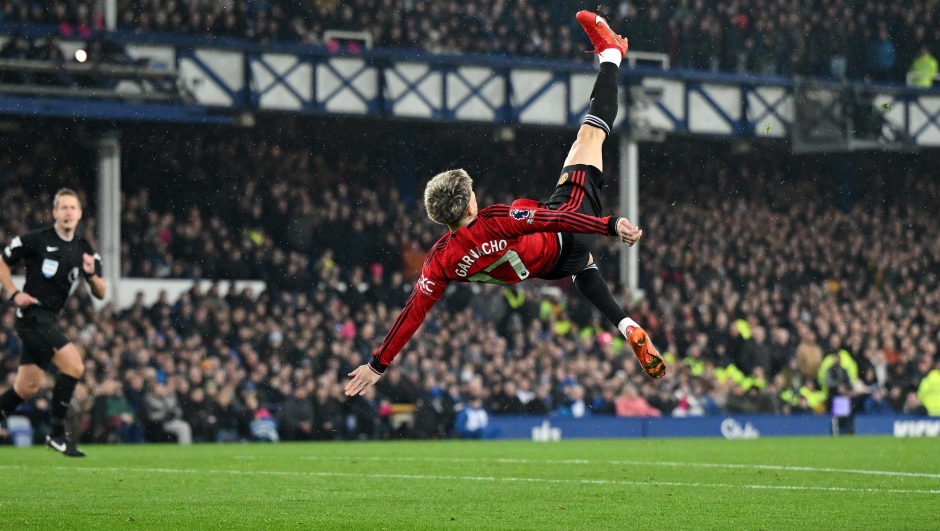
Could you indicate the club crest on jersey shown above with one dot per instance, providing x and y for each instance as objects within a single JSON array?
[
  {"x": 521, "y": 215},
  {"x": 49, "y": 268},
  {"x": 426, "y": 286}
]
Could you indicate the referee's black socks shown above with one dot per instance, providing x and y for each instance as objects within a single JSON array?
[
  {"x": 603, "y": 109},
  {"x": 61, "y": 398},
  {"x": 9, "y": 401}
]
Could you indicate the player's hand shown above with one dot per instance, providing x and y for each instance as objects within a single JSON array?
[
  {"x": 629, "y": 233},
  {"x": 23, "y": 300},
  {"x": 88, "y": 264},
  {"x": 363, "y": 378}
]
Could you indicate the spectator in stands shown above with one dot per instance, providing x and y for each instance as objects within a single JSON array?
[
  {"x": 576, "y": 406},
  {"x": 875, "y": 403},
  {"x": 923, "y": 70},
  {"x": 296, "y": 417},
  {"x": 738, "y": 401},
  {"x": 327, "y": 413},
  {"x": 929, "y": 392},
  {"x": 912, "y": 405},
  {"x": 631, "y": 404},
  {"x": 809, "y": 354},
  {"x": 18, "y": 47},
  {"x": 163, "y": 413},
  {"x": 474, "y": 423},
  {"x": 113, "y": 417},
  {"x": 881, "y": 55},
  {"x": 228, "y": 418}
]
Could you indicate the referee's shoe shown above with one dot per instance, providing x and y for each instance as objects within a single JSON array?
[{"x": 64, "y": 446}]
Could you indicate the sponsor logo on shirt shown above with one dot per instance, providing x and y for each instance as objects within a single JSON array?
[{"x": 426, "y": 286}]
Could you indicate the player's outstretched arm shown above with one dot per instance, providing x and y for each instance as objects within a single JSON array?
[
  {"x": 518, "y": 220},
  {"x": 425, "y": 294},
  {"x": 628, "y": 232},
  {"x": 362, "y": 378}
]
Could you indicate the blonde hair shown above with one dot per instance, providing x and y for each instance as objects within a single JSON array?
[
  {"x": 64, "y": 192},
  {"x": 447, "y": 196}
]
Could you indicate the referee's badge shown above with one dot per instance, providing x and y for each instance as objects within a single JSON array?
[
  {"x": 49, "y": 268},
  {"x": 564, "y": 177}
]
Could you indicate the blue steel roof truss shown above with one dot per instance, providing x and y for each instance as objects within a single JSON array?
[{"x": 279, "y": 80}]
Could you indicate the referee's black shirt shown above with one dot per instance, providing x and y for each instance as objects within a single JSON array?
[{"x": 53, "y": 265}]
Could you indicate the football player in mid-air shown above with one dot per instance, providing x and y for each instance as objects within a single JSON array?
[{"x": 508, "y": 244}]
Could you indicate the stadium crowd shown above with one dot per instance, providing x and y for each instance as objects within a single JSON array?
[
  {"x": 878, "y": 39},
  {"x": 762, "y": 301}
]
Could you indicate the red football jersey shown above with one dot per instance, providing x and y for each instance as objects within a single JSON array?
[{"x": 502, "y": 245}]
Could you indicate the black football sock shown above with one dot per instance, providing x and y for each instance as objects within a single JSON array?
[
  {"x": 61, "y": 397},
  {"x": 603, "y": 109},
  {"x": 591, "y": 284},
  {"x": 9, "y": 401}
]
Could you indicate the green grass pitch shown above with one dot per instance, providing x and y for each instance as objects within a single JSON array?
[{"x": 780, "y": 483}]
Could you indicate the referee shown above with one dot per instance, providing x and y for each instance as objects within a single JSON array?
[{"x": 55, "y": 261}]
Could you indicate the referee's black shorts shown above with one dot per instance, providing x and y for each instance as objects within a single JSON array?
[
  {"x": 36, "y": 328},
  {"x": 578, "y": 190}
]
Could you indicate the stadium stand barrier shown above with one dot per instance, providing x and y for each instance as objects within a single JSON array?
[
  {"x": 727, "y": 426},
  {"x": 150, "y": 288},
  {"x": 906, "y": 426}
]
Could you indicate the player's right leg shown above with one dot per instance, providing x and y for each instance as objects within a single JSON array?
[
  {"x": 69, "y": 362},
  {"x": 610, "y": 49}
]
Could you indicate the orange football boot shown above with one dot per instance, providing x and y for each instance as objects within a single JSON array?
[{"x": 644, "y": 350}]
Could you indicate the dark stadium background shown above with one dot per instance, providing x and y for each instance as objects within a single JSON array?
[{"x": 753, "y": 256}]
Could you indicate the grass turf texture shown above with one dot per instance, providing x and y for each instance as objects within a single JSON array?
[{"x": 603, "y": 484}]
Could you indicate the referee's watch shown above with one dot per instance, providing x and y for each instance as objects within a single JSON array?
[{"x": 15, "y": 293}]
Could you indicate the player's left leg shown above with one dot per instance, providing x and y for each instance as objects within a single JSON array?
[
  {"x": 71, "y": 368},
  {"x": 594, "y": 288},
  {"x": 28, "y": 379},
  {"x": 579, "y": 188}
]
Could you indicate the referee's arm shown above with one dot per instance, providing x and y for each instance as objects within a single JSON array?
[
  {"x": 13, "y": 253},
  {"x": 92, "y": 268},
  {"x": 6, "y": 278}
]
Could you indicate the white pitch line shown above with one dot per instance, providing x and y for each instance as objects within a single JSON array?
[
  {"x": 784, "y": 468},
  {"x": 428, "y": 477}
]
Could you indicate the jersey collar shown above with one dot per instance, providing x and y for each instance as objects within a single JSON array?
[
  {"x": 57, "y": 233},
  {"x": 471, "y": 222}
]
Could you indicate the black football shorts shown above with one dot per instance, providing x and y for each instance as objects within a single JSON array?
[
  {"x": 36, "y": 328},
  {"x": 578, "y": 190}
]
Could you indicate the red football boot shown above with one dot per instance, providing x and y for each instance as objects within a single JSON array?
[
  {"x": 602, "y": 37},
  {"x": 644, "y": 350}
]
